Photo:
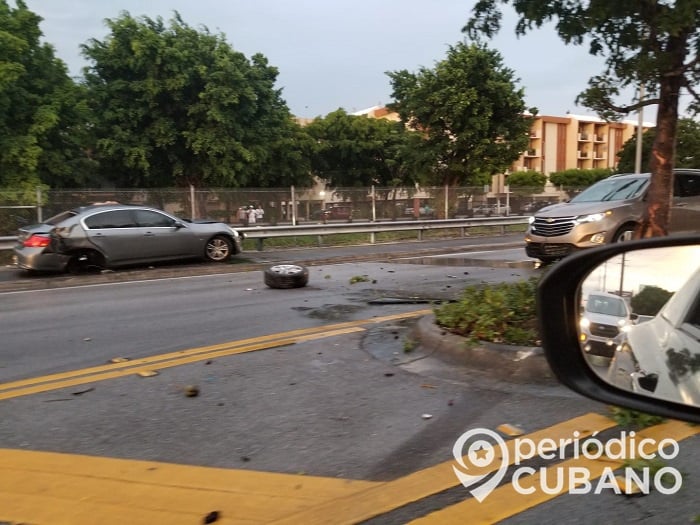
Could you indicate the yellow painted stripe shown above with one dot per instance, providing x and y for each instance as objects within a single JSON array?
[
  {"x": 212, "y": 348},
  {"x": 505, "y": 501},
  {"x": 114, "y": 370},
  {"x": 46, "y": 487},
  {"x": 388, "y": 496},
  {"x": 82, "y": 379}
]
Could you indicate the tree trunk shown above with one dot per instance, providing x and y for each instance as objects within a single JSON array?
[{"x": 663, "y": 151}]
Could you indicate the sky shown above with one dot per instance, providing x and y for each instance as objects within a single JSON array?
[{"x": 335, "y": 53}]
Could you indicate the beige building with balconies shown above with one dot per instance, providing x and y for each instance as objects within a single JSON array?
[{"x": 574, "y": 141}]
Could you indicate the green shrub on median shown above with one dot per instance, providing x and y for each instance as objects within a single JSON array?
[{"x": 499, "y": 313}]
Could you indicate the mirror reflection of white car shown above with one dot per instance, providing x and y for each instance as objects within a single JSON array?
[
  {"x": 604, "y": 319},
  {"x": 661, "y": 357}
]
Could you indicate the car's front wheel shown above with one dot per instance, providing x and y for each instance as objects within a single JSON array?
[
  {"x": 218, "y": 249},
  {"x": 625, "y": 233},
  {"x": 286, "y": 276}
]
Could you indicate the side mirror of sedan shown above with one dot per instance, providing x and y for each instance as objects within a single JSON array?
[{"x": 621, "y": 324}]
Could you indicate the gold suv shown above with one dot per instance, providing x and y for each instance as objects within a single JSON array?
[{"x": 608, "y": 211}]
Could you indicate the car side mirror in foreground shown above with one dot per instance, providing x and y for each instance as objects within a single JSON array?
[{"x": 621, "y": 324}]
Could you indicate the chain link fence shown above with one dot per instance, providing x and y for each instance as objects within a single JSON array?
[{"x": 284, "y": 205}]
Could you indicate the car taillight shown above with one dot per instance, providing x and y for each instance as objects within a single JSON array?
[{"x": 37, "y": 241}]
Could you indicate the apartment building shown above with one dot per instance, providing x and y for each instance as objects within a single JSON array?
[
  {"x": 574, "y": 141},
  {"x": 561, "y": 143}
]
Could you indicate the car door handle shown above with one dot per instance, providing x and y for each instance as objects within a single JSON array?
[
  {"x": 680, "y": 204},
  {"x": 149, "y": 234}
]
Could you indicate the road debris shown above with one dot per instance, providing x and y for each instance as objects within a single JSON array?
[{"x": 191, "y": 390}]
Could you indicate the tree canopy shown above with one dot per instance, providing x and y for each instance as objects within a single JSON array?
[
  {"x": 357, "y": 151},
  {"x": 649, "y": 43},
  {"x": 42, "y": 112},
  {"x": 650, "y": 300},
  {"x": 179, "y": 106},
  {"x": 687, "y": 148},
  {"x": 468, "y": 110}
]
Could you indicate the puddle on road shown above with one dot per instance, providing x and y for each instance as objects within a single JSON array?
[{"x": 466, "y": 261}]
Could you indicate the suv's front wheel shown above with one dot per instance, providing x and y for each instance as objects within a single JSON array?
[{"x": 625, "y": 233}]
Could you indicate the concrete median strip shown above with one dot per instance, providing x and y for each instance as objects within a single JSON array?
[{"x": 497, "y": 361}]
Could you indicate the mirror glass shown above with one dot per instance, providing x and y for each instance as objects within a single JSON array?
[{"x": 639, "y": 322}]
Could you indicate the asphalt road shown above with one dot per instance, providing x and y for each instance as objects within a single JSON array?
[{"x": 320, "y": 381}]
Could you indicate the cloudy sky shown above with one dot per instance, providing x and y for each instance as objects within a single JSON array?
[{"x": 335, "y": 53}]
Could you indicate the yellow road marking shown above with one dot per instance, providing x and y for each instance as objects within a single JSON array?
[
  {"x": 51, "y": 488},
  {"x": 114, "y": 370},
  {"x": 505, "y": 501},
  {"x": 388, "y": 496}
]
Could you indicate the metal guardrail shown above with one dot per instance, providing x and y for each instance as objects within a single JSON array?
[{"x": 260, "y": 233}]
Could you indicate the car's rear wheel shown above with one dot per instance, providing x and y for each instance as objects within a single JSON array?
[
  {"x": 85, "y": 261},
  {"x": 286, "y": 276},
  {"x": 625, "y": 233},
  {"x": 219, "y": 249}
]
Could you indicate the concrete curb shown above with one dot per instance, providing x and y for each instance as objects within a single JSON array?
[{"x": 519, "y": 364}]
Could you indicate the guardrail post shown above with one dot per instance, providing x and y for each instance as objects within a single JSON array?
[
  {"x": 372, "y": 238},
  {"x": 420, "y": 235},
  {"x": 259, "y": 243},
  {"x": 319, "y": 239}
]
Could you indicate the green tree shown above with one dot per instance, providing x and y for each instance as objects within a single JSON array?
[
  {"x": 529, "y": 181},
  {"x": 649, "y": 43},
  {"x": 468, "y": 110},
  {"x": 43, "y": 115},
  {"x": 687, "y": 148},
  {"x": 578, "y": 179},
  {"x": 357, "y": 151},
  {"x": 650, "y": 300},
  {"x": 179, "y": 106}
]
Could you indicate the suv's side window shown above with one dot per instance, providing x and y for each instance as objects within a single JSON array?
[
  {"x": 687, "y": 185},
  {"x": 110, "y": 219},
  {"x": 153, "y": 219}
]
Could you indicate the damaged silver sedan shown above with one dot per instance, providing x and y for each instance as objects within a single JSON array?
[{"x": 111, "y": 235}]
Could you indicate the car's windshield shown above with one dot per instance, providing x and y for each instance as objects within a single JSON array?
[
  {"x": 599, "y": 304},
  {"x": 613, "y": 190}
]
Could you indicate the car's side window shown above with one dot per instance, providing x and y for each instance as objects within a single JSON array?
[
  {"x": 110, "y": 219},
  {"x": 153, "y": 219}
]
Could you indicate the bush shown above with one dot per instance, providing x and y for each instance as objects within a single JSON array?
[
  {"x": 501, "y": 313},
  {"x": 575, "y": 178}
]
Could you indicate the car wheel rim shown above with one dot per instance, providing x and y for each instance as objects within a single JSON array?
[
  {"x": 217, "y": 249},
  {"x": 625, "y": 236},
  {"x": 286, "y": 269}
]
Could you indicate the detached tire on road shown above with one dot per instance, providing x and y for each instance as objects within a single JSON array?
[{"x": 286, "y": 276}]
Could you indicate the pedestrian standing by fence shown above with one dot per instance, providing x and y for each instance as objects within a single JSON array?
[
  {"x": 242, "y": 216},
  {"x": 252, "y": 215},
  {"x": 259, "y": 213}
]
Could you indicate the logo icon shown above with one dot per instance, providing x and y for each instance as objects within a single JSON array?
[{"x": 485, "y": 454}]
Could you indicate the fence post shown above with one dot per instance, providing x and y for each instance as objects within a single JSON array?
[
  {"x": 192, "y": 206},
  {"x": 294, "y": 207},
  {"x": 374, "y": 208},
  {"x": 39, "y": 212},
  {"x": 447, "y": 196}
]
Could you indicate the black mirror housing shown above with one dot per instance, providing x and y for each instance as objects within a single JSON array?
[{"x": 558, "y": 303}]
